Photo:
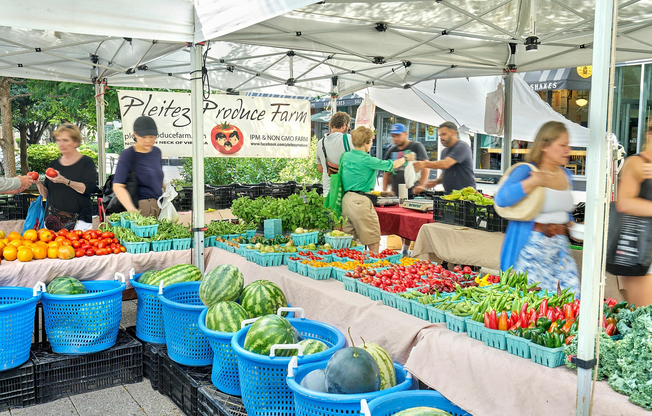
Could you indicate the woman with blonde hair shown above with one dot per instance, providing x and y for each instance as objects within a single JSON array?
[
  {"x": 541, "y": 247},
  {"x": 635, "y": 198}
]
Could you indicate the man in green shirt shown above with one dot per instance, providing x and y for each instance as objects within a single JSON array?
[{"x": 358, "y": 171}]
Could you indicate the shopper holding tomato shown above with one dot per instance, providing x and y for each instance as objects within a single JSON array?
[
  {"x": 15, "y": 185},
  {"x": 145, "y": 160},
  {"x": 69, "y": 183}
]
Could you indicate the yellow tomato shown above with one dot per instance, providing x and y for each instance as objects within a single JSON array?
[
  {"x": 2, "y": 235},
  {"x": 53, "y": 253},
  {"x": 25, "y": 255},
  {"x": 14, "y": 236},
  {"x": 39, "y": 252},
  {"x": 10, "y": 253},
  {"x": 30, "y": 235}
]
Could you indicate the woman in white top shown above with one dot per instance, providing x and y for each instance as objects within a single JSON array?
[{"x": 541, "y": 247}]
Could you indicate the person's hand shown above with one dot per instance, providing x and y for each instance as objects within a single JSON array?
[
  {"x": 409, "y": 157},
  {"x": 647, "y": 170},
  {"x": 25, "y": 182},
  {"x": 59, "y": 178},
  {"x": 539, "y": 178},
  {"x": 418, "y": 165},
  {"x": 417, "y": 189}
]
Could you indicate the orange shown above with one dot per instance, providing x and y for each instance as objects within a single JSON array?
[
  {"x": 53, "y": 253},
  {"x": 30, "y": 235},
  {"x": 66, "y": 252},
  {"x": 14, "y": 236},
  {"x": 10, "y": 253},
  {"x": 25, "y": 255},
  {"x": 39, "y": 252},
  {"x": 46, "y": 236}
]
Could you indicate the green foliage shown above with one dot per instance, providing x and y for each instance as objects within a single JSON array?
[
  {"x": 305, "y": 210},
  {"x": 39, "y": 156},
  {"x": 228, "y": 170},
  {"x": 115, "y": 139}
]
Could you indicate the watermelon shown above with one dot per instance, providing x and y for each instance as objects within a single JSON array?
[
  {"x": 315, "y": 381},
  {"x": 352, "y": 371},
  {"x": 223, "y": 283},
  {"x": 176, "y": 274},
  {"x": 66, "y": 286},
  {"x": 422, "y": 411},
  {"x": 385, "y": 365},
  {"x": 311, "y": 346},
  {"x": 262, "y": 297},
  {"x": 147, "y": 276},
  {"x": 225, "y": 317},
  {"x": 267, "y": 331}
]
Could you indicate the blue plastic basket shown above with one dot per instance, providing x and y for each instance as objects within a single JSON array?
[
  {"x": 403, "y": 305},
  {"x": 269, "y": 259},
  {"x": 209, "y": 241},
  {"x": 390, "y": 404},
  {"x": 358, "y": 248},
  {"x": 435, "y": 316},
  {"x": 394, "y": 258},
  {"x": 187, "y": 344},
  {"x": 225, "y": 363},
  {"x": 149, "y": 312},
  {"x": 144, "y": 230},
  {"x": 419, "y": 309},
  {"x": 249, "y": 254},
  {"x": 494, "y": 338},
  {"x": 137, "y": 248},
  {"x": 114, "y": 223},
  {"x": 125, "y": 223},
  {"x": 475, "y": 329},
  {"x": 161, "y": 245},
  {"x": 302, "y": 268},
  {"x": 337, "y": 273},
  {"x": 518, "y": 346},
  {"x": 311, "y": 403},
  {"x": 17, "y": 310},
  {"x": 455, "y": 323},
  {"x": 363, "y": 288},
  {"x": 181, "y": 243},
  {"x": 84, "y": 324},
  {"x": 339, "y": 242},
  {"x": 250, "y": 234},
  {"x": 286, "y": 257},
  {"x": 388, "y": 298},
  {"x": 263, "y": 379},
  {"x": 319, "y": 273},
  {"x": 550, "y": 357},
  {"x": 305, "y": 238},
  {"x": 292, "y": 265},
  {"x": 350, "y": 284}
]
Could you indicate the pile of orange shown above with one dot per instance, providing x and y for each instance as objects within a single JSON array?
[{"x": 34, "y": 245}]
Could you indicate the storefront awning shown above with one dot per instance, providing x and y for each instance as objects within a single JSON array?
[
  {"x": 347, "y": 100},
  {"x": 578, "y": 79}
]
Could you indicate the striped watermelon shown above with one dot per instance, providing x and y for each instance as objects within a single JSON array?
[
  {"x": 225, "y": 317},
  {"x": 223, "y": 283},
  {"x": 311, "y": 346},
  {"x": 147, "y": 276},
  {"x": 422, "y": 411},
  {"x": 66, "y": 286},
  {"x": 267, "y": 331},
  {"x": 385, "y": 365},
  {"x": 176, "y": 274},
  {"x": 262, "y": 297}
]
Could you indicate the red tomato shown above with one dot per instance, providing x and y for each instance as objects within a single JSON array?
[
  {"x": 93, "y": 242},
  {"x": 123, "y": 249},
  {"x": 79, "y": 232},
  {"x": 107, "y": 235},
  {"x": 62, "y": 232},
  {"x": 94, "y": 234},
  {"x": 90, "y": 252},
  {"x": 76, "y": 244},
  {"x": 116, "y": 250},
  {"x": 467, "y": 270},
  {"x": 73, "y": 237},
  {"x": 227, "y": 138},
  {"x": 102, "y": 252},
  {"x": 457, "y": 269},
  {"x": 51, "y": 173},
  {"x": 85, "y": 246},
  {"x": 79, "y": 252},
  {"x": 33, "y": 175},
  {"x": 101, "y": 244}
]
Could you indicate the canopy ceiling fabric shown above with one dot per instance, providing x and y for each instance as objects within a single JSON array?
[
  {"x": 265, "y": 47},
  {"x": 463, "y": 102}
]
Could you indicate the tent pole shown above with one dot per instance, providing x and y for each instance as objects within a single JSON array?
[
  {"x": 99, "y": 118},
  {"x": 506, "y": 154},
  {"x": 197, "y": 99},
  {"x": 596, "y": 199}
]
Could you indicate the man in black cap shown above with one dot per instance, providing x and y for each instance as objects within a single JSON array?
[
  {"x": 456, "y": 161},
  {"x": 146, "y": 159}
]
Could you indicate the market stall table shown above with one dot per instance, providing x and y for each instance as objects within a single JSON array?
[{"x": 401, "y": 221}]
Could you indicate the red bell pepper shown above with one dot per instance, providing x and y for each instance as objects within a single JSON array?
[
  {"x": 551, "y": 315},
  {"x": 493, "y": 321},
  {"x": 533, "y": 316},
  {"x": 543, "y": 307},
  {"x": 502, "y": 322},
  {"x": 487, "y": 319},
  {"x": 610, "y": 329}
]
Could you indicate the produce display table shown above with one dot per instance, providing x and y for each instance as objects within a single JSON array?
[
  {"x": 480, "y": 379},
  {"x": 401, "y": 221}
]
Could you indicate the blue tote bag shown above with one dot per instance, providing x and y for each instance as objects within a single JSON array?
[{"x": 36, "y": 213}]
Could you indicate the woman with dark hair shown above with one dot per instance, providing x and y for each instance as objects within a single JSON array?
[
  {"x": 146, "y": 160},
  {"x": 69, "y": 193},
  {"x": 541, "y": 247}
]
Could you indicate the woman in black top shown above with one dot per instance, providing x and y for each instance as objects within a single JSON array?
[{"x": 68, "y": 194}]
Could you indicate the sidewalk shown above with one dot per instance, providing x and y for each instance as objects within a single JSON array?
[{"x": 137, "y": 399}]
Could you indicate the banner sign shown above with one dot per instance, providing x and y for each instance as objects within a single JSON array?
[{"x": 234, "y": 125}]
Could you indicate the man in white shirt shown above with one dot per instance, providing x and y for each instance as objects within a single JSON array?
[{"x": 335, "y": 145}]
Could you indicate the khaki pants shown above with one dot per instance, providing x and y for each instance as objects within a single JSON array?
[
  {"x": 149, "y": 207},
  {"x": 363, "y": 221}
]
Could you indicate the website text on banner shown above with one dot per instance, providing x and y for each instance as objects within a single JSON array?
[{"x": 234, "y": 126}]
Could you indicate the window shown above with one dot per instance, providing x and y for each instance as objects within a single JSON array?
[{"x": 488, "y": 152}]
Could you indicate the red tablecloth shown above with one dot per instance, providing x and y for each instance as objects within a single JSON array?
[{"x": 402, "y": 222}]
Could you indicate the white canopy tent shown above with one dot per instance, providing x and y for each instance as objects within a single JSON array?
[
  {"x": 390, "y": 43},
  {"x": 462, "y": 100}
]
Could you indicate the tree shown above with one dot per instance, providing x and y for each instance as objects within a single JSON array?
[{"x": 7, "y": 143}]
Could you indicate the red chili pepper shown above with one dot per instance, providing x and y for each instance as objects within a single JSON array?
[
  {"x": 493, "y": 321},
  {"x": 568, "y": 311},
  {"x": 533, "y": 316},
  {"x": 610, "y": 329},
  {"x": 543, "y": 308},
  {"x": 486, "y": 320},
  {"x": 523, "y": 320},
  {"x": 551, "y": 314},
  {"x": 568, "y": 341},
  {"x": 558, "y": 312},
  {"x": 576, "y": 310},
  {"x": 513, "y": 318},
  {"x": 604, "y": 322},
  {"x": 513, "y": 328},
  {"x": 524, "y": 308}
]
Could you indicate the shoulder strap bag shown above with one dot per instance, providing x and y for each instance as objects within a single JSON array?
[
  {"x": 529, "y": 207},
  {"x": 333, "y": 168},
  {"x": 112, "y": 204}
]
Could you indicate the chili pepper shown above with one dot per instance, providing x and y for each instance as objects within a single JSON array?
[
  {"x": 576, "y": 310},
  {"x": 567, "y": 309},
  {"x": 553, "y": 326},
  {"x": 568, "y": 339},
  {"x": 610, "y": 329},
  {"x": 550, "y": 314},
  {"x": 523, "y": 319},
  {"x": 558, "y": 312},
  {"x": 620, "y": 305},
  {"x": 544, "y": 323},
  {"x": 512, "y": 330},
  {"x": 502, "y": 322},
  {"x": 611, "y": 321},
  {"x": 543, "y": 307},
  {"x": 604, "y": 322},
  {"x": 513, "y": 318},
  {"x": 493, "y": 322},
  {"x": 567, "y": 326},
  {"x": 486, "y": 320},
  {"x": 524, "y": 308},
  {"x": 556, "y": 341},
  {"x": 533, "y": 316}
]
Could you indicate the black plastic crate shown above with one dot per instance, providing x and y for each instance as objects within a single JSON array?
[
  {"x": 24, "y": 201},
  {"x": 250, "y": 191},
  {"x": 212, "y": 402},
  {"x": 60, "y": 375},
  {"x": 11, "y": 207},
  {"x": 181, "y": 384},
  {"x": 218, "y": 197},
  {"x": 484, "y": 217},
  {"x": 578, "y": 214},
  {"x": 278, "y": 190},
  {"x": 17, "y": 387},
  {"x": 151, "y": 358},
  {"x": 452, "y": 212}
]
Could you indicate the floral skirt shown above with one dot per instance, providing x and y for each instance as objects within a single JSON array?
[{"x": 549, "y": 260}]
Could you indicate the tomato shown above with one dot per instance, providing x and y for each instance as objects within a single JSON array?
[
  {"x": 116, "y": 241},
  {"x": 101, "y": 245},
  {"x": 79, "y": 232},
  {"x": 94, "y": 234},
  {"x": 123, "y": 249},
  {"x": 116, "y": 250},
  {"x": 467, "y": 270},
  {"x": 227, "y": 138},
  {"x": 102, "y": 252},
  {"x": 79, "y": 252},
  {"x": 457, "y": 269},
  {"x": 73, "y": 237},
  {"x": 33, "y": 176},
  {"x": 85, "y": 246},
  {"x": 93, "y": 242},
  {"x": 90, "y": 252},
  {"x": 86, "y": 236},
  {"x": 107, "y": 234},
  {"x": 66, "y": 243},
  {"x": 76, "y": 244},
  {"x": 51, "y": 173}
]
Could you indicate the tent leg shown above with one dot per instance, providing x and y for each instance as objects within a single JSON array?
[
  {"x": 197, "y": 92},
  {"x": 506, "y": 154},
  {"x": 596, "y": 199},
  {"x": 99, "y": 117}
]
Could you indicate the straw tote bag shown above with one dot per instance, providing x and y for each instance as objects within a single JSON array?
[{"x": 529, "y": 207}]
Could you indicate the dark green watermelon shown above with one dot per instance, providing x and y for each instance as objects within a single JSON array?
[
  {"x": 352, "y": 371},
  {"x": 66, "y": 286}
]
